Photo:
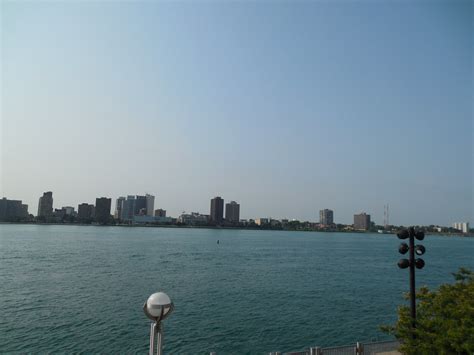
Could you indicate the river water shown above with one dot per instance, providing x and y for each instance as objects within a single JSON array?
[{"x": 82, "y": 288}]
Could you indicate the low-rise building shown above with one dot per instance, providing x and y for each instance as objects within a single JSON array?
[
  {"x": 261, "y": 221},
  {"x": 194, "y": 218},
  {"x": 144, "y": 219},
  {"x": 160, "y": 213}
]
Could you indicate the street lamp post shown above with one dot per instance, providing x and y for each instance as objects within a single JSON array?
[
  {"x": 411, "y": 263},
  {"x": 157, "y": 307}
]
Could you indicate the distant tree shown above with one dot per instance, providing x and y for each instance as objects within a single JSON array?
[{"x": 444, "y": 319}]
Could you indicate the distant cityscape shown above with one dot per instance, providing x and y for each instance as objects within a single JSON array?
[{"x": 140, "y": 210}]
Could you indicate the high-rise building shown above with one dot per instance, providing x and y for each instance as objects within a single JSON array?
[
  {"x": 139, "y": 205},
  {"x": 127, "y": 208},
  {"x": 135, "y": 206},
  {"x": 150, "y": 204},
  {"x": 326, "y": 217},
  {"x": 362, "y": 221},
  {"x": 12, "y": 210},
  {"x": 461, "y": 226},
  {"x": 232, "y": 212},
  {"x": 119, "y": 207},
  {"x": 45, "y": 205},
  {"x": 102, "y": 210},
  {"x": 85, "y": 212},
  {"x": 217, "y": 210},
  {"x": 160, "y": 213}
]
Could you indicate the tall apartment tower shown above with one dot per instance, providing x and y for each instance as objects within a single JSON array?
[
  {"x": 45, "y": 205},
  {"x": 326, "y": 217},
  {"x": 217, "y": 210},
  {"x": 232, "y": 212},
  {"x": 362, "y": 221},
  {"x": 119, "y": 207},
  {"x": 102, "y": 210},
  {"x": 150, "y": 204}
]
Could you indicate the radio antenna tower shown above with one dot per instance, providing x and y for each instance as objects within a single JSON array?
[{"x": 386, "y": 216}]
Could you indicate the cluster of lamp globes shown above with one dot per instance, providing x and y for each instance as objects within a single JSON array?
[{"x": 404, "y": 248}]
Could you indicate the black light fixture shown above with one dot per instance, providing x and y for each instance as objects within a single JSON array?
[
  {"x": 403, "y": 263},
  {"x": 419, "y": 263},
  {"x": 403, "y": 248},
  {"x": 403, "y": 234},
  {"x": 411, "y": 263},
  {"x": 420, "y": 235},
  {"x": 420, "y": 249}
]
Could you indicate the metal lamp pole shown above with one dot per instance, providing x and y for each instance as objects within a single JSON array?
[
  {"x": 156, "y": 339},
  {"x": 157, "y": 307},
  {"x": 411, "y": 263},
  {"x": 411, "y": 232}
]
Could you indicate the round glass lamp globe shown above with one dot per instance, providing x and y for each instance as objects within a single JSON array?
[{"x": 156, "y": 302}]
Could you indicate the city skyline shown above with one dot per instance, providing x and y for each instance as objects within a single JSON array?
[
  {"x": 285, "y": 109},
  {"x": 135, "y": 208}
]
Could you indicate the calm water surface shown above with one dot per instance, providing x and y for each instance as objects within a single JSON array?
[{"x": 81, "y": 288}]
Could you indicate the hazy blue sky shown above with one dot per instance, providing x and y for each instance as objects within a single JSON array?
[{"x": 285, "y": 107}]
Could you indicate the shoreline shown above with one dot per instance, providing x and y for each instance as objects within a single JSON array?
[{"x": 171, "y": 226}]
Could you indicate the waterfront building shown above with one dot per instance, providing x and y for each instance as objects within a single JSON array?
[
  {"x": 326, "y": 217},
  {"x": 461, "y": 226},
  {"x": 217, "y": 210},
  {"x": 127, "y": 208},
  {"x": 12, "y": 210},
  {"x": 232, "y": 212},
  {"x": 151, "y": 220},
  {"x": 150, "y": 204},
  {"x": 45, "y": 205},
  {"x": 275, "y": 222},
  {"x": 68, "y": 210},
  {"x": 60, "y": 213},
  {"x": 134, "y": 206},
  {"x": 160, "y": 213},
  {"x": 262, "y": 221},
  {"x": 119, "y": 207},
  {"x": 139, "y": 204},
  {"x": 194, "y": 218},
  {"x": 102, "y": 209},
  {"x": 85, "y": 212},
  {"x": 362, "y": 221}
]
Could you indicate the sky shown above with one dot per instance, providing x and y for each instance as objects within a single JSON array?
[{"x": 286, "y": 107}]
